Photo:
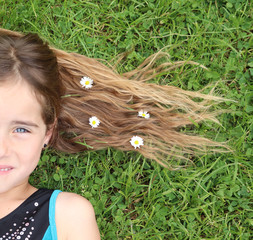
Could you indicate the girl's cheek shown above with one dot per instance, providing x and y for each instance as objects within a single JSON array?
[
  {"x": 21, "y": 141},
  {"x": 26, "y": 141}
]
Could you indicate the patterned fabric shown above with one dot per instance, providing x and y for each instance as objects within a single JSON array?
[{"x": 30, "y": 221}]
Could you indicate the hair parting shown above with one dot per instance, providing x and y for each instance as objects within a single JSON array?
[{"x": 115, "y": 99}]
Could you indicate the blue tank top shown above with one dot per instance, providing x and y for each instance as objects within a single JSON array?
[{"x": 34, "y": 219}]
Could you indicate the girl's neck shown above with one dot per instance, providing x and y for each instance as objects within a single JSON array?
[{"x": 10, "y": 200}]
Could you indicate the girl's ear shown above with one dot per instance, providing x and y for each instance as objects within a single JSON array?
[{"x": 49, "y": 132}]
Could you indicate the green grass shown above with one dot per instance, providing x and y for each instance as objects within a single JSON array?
[{"x": 135, "y": 198}]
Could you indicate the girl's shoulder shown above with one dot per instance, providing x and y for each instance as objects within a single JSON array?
[
  {"x": 75, "y": 217},
  {"x": 73, "y": 201}
]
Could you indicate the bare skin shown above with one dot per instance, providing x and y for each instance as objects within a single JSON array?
[
  {"x": 11, "y": 200},
  {"x": 78, "y": 220}
]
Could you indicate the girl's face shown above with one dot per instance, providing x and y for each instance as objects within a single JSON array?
[{"x": 22, "y": 134}]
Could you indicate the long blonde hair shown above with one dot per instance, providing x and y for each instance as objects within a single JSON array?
[{"x": 115, "y": 99}]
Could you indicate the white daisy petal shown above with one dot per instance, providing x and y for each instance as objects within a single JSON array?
[
  {"x": 86, "y": 82},
  {"x": 147, "y": 115},
  {"x": 143, "y": 114},
  {"x": 94, "y": 122},
  {"x": 136, "y": 142},
  {"x": 140, "y": 113}
]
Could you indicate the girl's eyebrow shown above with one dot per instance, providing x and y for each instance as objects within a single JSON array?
[{"x": 26, "y": 123}]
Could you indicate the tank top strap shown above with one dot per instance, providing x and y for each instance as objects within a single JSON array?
[{"x": 52, "y": 214}]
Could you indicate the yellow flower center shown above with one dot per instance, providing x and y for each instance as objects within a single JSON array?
[
  {"x": 136, "y": 142},
  {"x": 93, "y": 122},
  {"x": 143, "y": 114},
  {"x": 87, "y": 82}
]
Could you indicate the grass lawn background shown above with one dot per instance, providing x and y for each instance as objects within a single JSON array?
[{"x": 135, "y": 198}]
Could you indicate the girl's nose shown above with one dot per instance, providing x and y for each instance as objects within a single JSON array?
[{"x": 3, "y": 147}]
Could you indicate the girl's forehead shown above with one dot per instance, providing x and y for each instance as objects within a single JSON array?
[
  {"x": 18, "y": 99},
  {"x": 16, "y": 89}
]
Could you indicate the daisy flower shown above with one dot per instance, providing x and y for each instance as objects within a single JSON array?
[
  {"x": 136, "y": 141},
  {"x": 86, "y": 82},
  {"x": 94, "y": 122},
  {"x": 144, "y": 114}
]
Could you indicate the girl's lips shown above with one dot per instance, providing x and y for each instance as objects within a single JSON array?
[{"x": 4, "y": 169}]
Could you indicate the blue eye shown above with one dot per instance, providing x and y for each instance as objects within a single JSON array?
[{"x": 21, "y": 130}]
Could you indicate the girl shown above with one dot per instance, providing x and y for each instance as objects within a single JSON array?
[
  {"x": 73, "y": 103},
  {"x": 30, "y": 90}
]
